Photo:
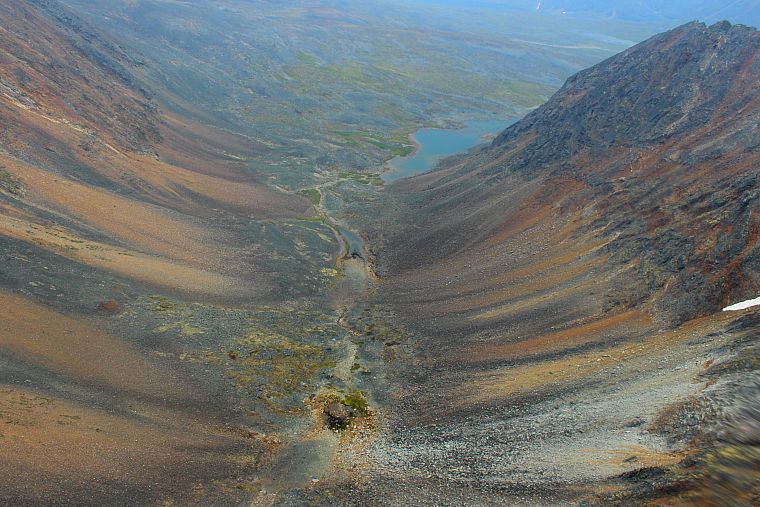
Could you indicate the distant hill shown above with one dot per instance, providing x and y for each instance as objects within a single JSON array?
[
  {"x": 661, "y": 13},
  {"x": 742, "y": 11}
]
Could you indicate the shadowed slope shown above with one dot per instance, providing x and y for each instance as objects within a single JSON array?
[{"x": 581, "y": 258}]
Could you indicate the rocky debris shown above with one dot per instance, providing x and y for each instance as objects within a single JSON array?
[
  {"x": 10, "y": 184},
  {"x": 724, "y": 468},
  {"x": 14, "y": 93},
  {"x": 338, "y": 415},
  {"x": 110, "y": 306}
]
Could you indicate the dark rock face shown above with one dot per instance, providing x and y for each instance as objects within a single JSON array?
[
  {"x": 664, "y": 88},
  {"x": 339, "y": 415}
]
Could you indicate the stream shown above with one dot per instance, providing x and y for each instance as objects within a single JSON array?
[{"x": 363, "y": 367}]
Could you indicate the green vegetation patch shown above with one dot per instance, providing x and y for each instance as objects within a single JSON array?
[
  {"x": 163, "y": 304},
  {"x": 312, "y": 194},
  {"x": 363, "y": 178},
  {"x": 378, "y": 323},
  {"x": 280, "y": 364},
  {"x": 173, "y": 318},
  {"x": 356, "y": 400},
  {"x": 388, "y": 146},
  {"x": 297, "y": 251},
  {"x": 341, "y": 410},
  {"x": 306, "y": 58}
]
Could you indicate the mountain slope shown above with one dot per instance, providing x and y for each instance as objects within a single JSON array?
[
  {"x": 169, "y": 317},
  {"x": 85, "y": 145},
  {"x": 565, "y": 282},
  {"x": 123, "y": 228},
  {"x": 52, "y": 61},
  {"x": 639, "y": 154},
  {"x": 174, "y": 329}
]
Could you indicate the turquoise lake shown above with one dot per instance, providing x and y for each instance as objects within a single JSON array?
[{"x": 437, "y": 144}]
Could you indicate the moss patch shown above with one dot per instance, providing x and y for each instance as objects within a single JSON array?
[
  {"x": 363, "y": 178},
  {"x": 281, "y": 365},
  {"x": 312, "y": 194},
  {"x": 340, "y": 410},
  {"x": 357, "y": 401}
]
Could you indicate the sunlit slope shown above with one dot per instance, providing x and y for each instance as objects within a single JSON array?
[{"x": 123, "y": 230}]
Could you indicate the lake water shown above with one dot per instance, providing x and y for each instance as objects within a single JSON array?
[{"x": 437, "y": 144}]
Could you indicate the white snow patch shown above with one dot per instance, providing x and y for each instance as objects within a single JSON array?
[{"x": 744, "y": 304}]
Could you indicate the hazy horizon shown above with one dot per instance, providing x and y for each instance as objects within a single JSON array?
[{"x": 668, "y": 15}]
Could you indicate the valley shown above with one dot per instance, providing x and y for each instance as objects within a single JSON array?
[{"x": 228, "y": 279}]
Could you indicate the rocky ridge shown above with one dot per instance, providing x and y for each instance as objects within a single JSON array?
[{"x": 566, "y": 281}]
